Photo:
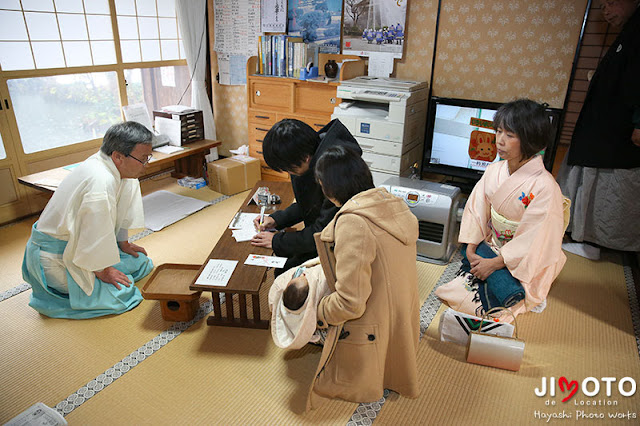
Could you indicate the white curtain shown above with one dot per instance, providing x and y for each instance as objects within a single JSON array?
[{"x": 191, "y": 20}]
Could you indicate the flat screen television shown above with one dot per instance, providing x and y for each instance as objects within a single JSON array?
[{"x": 460, "y": 139}]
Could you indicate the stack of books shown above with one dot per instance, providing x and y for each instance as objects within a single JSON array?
[{"x": 281, "y": 55}]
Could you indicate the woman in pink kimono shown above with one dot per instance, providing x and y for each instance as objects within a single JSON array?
[{"x": 513, "y": 222}]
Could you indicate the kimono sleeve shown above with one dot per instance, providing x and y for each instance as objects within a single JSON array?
[
  {"x": 355, "y": 250},
  {"x": 477, "y": 212}
]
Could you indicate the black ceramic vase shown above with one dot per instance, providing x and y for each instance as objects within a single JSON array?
[{"x": 331, "y": 69}]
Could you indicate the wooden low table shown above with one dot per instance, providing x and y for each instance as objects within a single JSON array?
[
  {"x": 187, "y": 162},
  {"x": 246, "y": 280}
]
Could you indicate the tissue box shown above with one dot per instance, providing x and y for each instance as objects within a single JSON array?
[
  {"x": 195, "y": 183},
  {"x": 234, "y": 174}
]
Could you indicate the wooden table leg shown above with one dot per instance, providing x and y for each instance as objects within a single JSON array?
[
  {"x": 256, "y": 307},
  {"x": 217, "y": 312},
  {"x": 229, "y": 304},
  {"x": 242, "y": 298}
]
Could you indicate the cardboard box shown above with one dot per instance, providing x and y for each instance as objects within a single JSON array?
[{"x": 234, "y": 174}]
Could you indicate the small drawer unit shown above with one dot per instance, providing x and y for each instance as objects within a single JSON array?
[{"x": 191, "y": 124}]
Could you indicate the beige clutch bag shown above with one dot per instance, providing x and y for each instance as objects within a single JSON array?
[{"x": 496, "y": 351}]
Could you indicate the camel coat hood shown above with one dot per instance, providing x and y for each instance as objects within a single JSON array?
[{"x": 368, "y": 254}]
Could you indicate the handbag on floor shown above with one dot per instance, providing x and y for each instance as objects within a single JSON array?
[{"x": 496, "y": 351}]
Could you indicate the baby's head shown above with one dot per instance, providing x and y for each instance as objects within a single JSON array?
[{"x": 296, "y": 292}]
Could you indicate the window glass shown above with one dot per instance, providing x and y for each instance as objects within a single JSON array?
[
  {"x": 3, "y": 153},
  {"x": 73, "y": 6},
  {"x": 145, "y": 27},
  {"x": 62, "y": 110},
  {"x": 158, "y": 87}
]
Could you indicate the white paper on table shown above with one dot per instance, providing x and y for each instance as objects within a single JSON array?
[
  {"x": 243, "y": 221},
  {"x": 50, "y": 182},
  {"x": 244, "y": 234},
  {"x": 171, "y": 128},
  {"x": 217, "y": 272},
  {"x": 268, "y": 261},
  {"x": 380, "y": 64},
  {"x": 162, "y": 208},
  {"x": 168, "y": 149},
  {"x": 138, "y": 113}
]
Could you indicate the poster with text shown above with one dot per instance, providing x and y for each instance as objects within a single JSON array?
[
  {"x": 374, "y": 26},
  {"x": 317, "y": 22}
]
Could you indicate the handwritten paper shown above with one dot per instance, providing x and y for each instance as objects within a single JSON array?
[
  {"x": 274, "y": 16},
  {"x": 243, "y": 221},
  {"x": 236, "y": 26},
  {"x": 217, "y": 272},
  {"x": 268, "y": 261},
  {"x": 244, "y": 234}
]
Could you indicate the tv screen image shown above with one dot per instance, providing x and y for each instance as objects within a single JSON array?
[
  {"x": 460, "y": 138},
  {"x": 463, "y": 137}
]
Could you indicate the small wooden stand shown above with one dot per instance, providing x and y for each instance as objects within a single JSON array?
[{"x": 170, "y": 285}]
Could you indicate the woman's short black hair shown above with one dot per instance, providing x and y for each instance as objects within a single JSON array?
[
  {"x": 529, "y": 121},
  {"x": 288, "y": 144},
  {"x": 342, "y": 173}
]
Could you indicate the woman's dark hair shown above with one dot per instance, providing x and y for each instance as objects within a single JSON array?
[
  {"x": 123, "y": 137},
  {"x": 529, "y": 121},
  {"x": 342, "y": 173},
  {"x": 288, "y": 143}
]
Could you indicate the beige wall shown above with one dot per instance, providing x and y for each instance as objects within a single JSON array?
[{"x": 487, "y": 50}]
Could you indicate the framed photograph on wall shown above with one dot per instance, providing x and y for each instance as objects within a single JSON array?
[
  {"x": 374, "y": 26},
  {"x": 317, "y": 22}
]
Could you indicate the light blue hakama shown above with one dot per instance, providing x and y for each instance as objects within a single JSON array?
[{"x": 105, "y": 299}]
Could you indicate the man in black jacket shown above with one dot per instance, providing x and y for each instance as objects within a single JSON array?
[
  {"x": 602, "y": 170},
  {"x": 294, "y": 147}
]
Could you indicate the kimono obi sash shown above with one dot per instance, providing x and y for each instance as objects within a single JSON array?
[{"x": 503, "y": 229}]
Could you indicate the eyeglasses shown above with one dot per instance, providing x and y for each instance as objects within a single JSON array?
[{"x": 145, "y": 162}]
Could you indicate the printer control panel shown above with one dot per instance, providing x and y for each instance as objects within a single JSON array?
[{"x": 413, "y": 197}]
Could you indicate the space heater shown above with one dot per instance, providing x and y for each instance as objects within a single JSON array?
[{"x": 438, "y": 208}]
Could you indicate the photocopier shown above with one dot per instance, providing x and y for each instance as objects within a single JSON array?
[{"x": 387, "y": 116}]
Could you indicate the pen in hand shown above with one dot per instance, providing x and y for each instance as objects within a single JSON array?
[{"x": 261, "y": 216}]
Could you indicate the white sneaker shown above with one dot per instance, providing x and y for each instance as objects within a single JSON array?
[{"x": 583, "y": 249}]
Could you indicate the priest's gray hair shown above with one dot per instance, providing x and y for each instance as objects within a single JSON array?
[{"x": 123, "y": 137}]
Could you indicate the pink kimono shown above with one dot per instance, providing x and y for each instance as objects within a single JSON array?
[{"x": 521, "y": 217}]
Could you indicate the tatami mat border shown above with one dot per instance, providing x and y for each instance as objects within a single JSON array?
[
  {"x": 365, "y": 414},
  {"x": 14, "y": 291},
  {"x": 633, "y": 303},
  {"x": 119, "y": 369}
]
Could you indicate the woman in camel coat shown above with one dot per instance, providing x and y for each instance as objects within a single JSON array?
[{"x": 368, "y": 253}]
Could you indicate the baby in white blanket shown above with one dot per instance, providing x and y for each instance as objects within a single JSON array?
[{"x": 293, "y": 301}]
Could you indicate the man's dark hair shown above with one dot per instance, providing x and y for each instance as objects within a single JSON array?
[
  {"x": 294, "y": 297},
  {"x": 288, "y": 144},
  {"x": 123, "y": 137},
  {"x": 342, "y": 173},
  {"x": 529, "y": 121}
]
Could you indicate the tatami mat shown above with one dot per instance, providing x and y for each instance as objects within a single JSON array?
[
  {"x": 586, "y": 331},
  {"x": 219, "y": 375},
  {"x": 13, "y": 240}
]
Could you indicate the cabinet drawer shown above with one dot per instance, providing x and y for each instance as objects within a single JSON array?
[
  {"x": 315, "y": 98},
  {"x": 264, "y": 118},
  {"x": 316, "y": 122},
  {"x": 271, "y": 94},
  {"x": 257, "y": 132},
  {"x": 255, "y": 150}
]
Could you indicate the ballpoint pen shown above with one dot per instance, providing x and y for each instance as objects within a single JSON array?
[{"x": 262, "y": 215}]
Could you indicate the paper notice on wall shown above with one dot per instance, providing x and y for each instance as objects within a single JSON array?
[
  {"x": 236, "y": 26},
  {"x": 273, "y": 16},
  {"x": 232, "y": 69},
  {"x": 380, "y": 64}
]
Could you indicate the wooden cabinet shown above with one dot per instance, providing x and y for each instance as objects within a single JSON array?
[{"x": 271, "y": 99}]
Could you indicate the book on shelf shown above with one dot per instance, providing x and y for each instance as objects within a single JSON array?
[{"x": 281, "y": 55}]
